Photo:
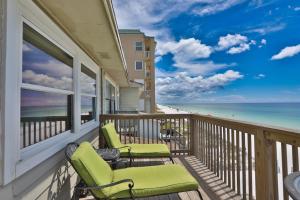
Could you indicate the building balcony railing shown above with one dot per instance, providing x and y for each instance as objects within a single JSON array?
[
  {"x": 250, "y": 159},
  {"x": 147, "y": 54}
]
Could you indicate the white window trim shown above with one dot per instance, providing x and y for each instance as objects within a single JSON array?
[
  {"x": 143, "y": 47},
  {"x": 17, "y": 161},
  {"x": 142, "y": 65},
  {"x": 97, "y": 95}
]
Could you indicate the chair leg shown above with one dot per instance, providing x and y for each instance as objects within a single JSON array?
[
  {"x": 171, "y": 159},
  {"x": 199, "y": 193}
]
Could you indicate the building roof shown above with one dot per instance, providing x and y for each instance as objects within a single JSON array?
[{"x": 130, "y": 31}]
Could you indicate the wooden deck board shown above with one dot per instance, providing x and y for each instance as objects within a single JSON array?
[{"x": 211, "y": 187}]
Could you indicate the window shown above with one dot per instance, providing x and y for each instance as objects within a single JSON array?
[
  {"x": 139, "y": 46},
  {"x": 138, "y": 65},
  {"x": 88, "y": 94},
  {"x": 110, "y": 98},
  {"x": 46, "y": 90}
]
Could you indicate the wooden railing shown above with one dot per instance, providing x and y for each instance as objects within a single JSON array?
[
  {"x": 37, "y": 129},
  {"x": 251, "y": 159},
  {"x": 173, "y": 130}
]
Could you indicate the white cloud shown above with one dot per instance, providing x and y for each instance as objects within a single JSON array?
[
  {"x": 235, "y": 44},
  {"x": 30, "y": 76},
  {"x": 260, "y": 76},
  {"x": 297, "y": 9},
  {"x": 186, "y": 54},
  {"x": 151, "y": 16},
  {"x": 186, "y": 87},
  {"x": 213, "y": 7},
  {"x": 26, "y": 48},
  {"x": 287, "y": 52},
  {"x": 188, "y": 48},
  {"x": 229, "y": 40},
  {"x": 158, "y": 58},
  {"x": 266, "y": 28},
  {"x": 201, "y": 67},
  {"x": 263, "y": 42},
  {"x": 241, "y": 48}
]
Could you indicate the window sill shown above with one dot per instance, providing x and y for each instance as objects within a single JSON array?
[{"x": 36, "y": 154}]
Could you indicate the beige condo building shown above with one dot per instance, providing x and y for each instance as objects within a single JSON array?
[{"x": 139, "y": 51}]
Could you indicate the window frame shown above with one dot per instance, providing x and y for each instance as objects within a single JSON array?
[
  {"x": 136, "y": 63},
  {"x": 17, "y": 161},
  {"x": 142, "y": 45},
  {"x": 40, "y": 88},
  {"x": 96, "y": 95}
]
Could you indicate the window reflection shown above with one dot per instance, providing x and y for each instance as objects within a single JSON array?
[
  {"x": 44, "y": 115},
  {"x": 88, "y": 109},
  {"x": 87, "y": 81},
  {"x": 44, "y": 63},
  {"x": 88, "y": 94}
]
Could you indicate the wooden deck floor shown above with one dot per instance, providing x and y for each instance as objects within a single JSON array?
[{"x": 211, "y": 187}]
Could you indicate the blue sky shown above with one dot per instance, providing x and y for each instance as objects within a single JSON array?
[{"x": 221, "y": 50}]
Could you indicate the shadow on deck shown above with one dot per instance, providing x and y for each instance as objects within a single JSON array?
[{"x": 211, "y": 187}]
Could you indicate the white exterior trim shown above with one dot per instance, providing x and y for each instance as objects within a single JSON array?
[
  {"x": 142, "y": 65},
  {"x": 17, "y": 161}
]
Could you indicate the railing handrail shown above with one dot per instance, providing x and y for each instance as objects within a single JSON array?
[
  {"x": 244, "y": 125},
  {"x": 229, "y": 145}
]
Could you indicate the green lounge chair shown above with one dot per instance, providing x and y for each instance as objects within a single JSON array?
[
  {"x": 134, "y": 150},
  {"x": 132, "y": 182}
]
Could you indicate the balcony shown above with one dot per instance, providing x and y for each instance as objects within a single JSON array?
[
  {"x": 147, "y": 54},
  {"x": 230, "y": 159}
]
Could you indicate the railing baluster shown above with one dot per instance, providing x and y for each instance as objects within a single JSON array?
[
  {"x": 295, "y": 159},
  {"x": 244, "y": 165},
  {"x": 238, "y": 168},
  {"x": 157, "y": 134},
  {"x": 210, "y": 147},
  {"x": 214, "y": 149},
  {"x": 228, "y": 157},
  {"x": 148, "y": 131},
  {"x": 218, "y": 150},
  {"x": 232, "y": 131},
  {"x": 250, "y": 166},
  {"x": 29, "y": 132},
  {"x": 24, "y": 134},
  {"x": 221, "y": 152},
  {"x": 225, "y": 155},
  {"x": 284, "y": 169}
]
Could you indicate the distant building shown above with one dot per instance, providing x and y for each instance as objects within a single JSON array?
[{"x": 139, "y": 51}]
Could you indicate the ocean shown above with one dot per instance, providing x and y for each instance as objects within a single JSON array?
[{"x": 286, "y": 115}]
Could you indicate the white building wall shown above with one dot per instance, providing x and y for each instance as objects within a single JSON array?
[
  {"x": 38, "y": 172},
  {"x": 129, "y": 99}
]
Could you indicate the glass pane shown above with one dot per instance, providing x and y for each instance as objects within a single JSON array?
[
  {"x": 87, "y": 81},
  {"x": 88, "y": 109},
  {"x": 45, "y": 64},
  {"x": 139, "y": 65},
  {"x": 44, "y": 115},
  {"x": 139, "y": 46}
]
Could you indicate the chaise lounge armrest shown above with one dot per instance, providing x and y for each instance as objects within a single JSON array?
[{"x": 100, "y": 187}]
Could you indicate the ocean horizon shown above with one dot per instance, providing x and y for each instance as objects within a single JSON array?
[{"x": 285, "y": 115}]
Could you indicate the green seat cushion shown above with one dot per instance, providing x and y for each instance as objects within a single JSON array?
[
  {"x": 111, "y": 136},
  {"x": 146, "y": 150},
  {"x": 92, "y": 168},
  {"x": 153, "y": 180}
]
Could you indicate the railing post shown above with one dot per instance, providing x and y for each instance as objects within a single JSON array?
[
  {"x": 101, "y": 137},
  {"x": 265, "y": 167},
  {"x": 194, "y": 137}
]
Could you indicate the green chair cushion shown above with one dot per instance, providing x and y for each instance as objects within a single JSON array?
[
  {"x": 111, "y": 136},
  {"x": 92, "y": 168},
  {"x": 146, "y": 150},
  {"x": 153, "y": 180}
]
